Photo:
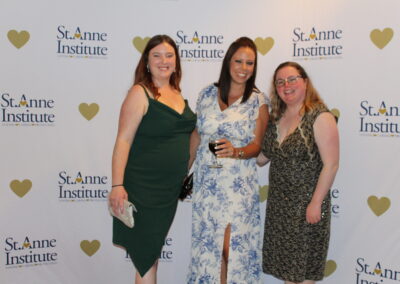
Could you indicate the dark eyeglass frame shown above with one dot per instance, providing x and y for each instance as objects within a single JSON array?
[{"x": 291, "y": 80}]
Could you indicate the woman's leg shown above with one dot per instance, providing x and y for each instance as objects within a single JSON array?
[
  {"x": 225, "y": 254},
  {"x": 150, "y": 277}
]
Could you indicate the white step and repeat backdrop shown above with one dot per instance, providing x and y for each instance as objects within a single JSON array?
[{"x": 65, "y": 68}]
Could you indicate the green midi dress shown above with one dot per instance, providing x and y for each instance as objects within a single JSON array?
[{"x": 157, "y": 164}]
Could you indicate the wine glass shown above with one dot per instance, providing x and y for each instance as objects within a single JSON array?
[{"x": 212, "y": 143}]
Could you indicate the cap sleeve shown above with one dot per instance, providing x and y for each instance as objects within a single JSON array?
[{"x": 263, "y": 99}]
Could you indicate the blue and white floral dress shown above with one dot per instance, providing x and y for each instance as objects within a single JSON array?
[{"x": 227, "y": 195}]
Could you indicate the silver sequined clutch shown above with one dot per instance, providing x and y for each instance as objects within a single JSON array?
[{"x": 127, "y": 216}]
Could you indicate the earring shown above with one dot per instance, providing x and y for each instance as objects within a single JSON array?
[{"x": 148, "y": 69}]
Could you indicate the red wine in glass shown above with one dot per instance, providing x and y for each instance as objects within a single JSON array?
[{"x": 212, "y": 146}]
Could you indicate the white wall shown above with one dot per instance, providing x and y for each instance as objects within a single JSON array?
[{"x": 49, "y": 239}]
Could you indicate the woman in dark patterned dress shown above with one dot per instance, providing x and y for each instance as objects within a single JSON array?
[{"x": 302, "y": 143}]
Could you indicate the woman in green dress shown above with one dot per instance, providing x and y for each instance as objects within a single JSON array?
[{"x": 151, "y": 154}]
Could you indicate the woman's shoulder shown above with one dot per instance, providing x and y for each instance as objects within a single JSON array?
[
  {"x": 320, "y": 108},
  {"x": 316, "y": 111},
  {"x": 139, "y": 89},
  {"x": 259, "y": 97},
  {"x": 208, "y": 92},
  {"x": 209, "y": 89},
  {"x": 135, "y": 102},
  {"x": 137, "y": 93}
]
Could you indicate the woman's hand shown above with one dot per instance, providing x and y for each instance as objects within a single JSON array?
[
  {"x": 313, "y": 212},
  {"x": 116, "y": 199},
  {"x": 261, "y": 160},
  {"x": 225, "y": 150}
]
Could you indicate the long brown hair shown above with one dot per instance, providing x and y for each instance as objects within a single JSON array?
[
  {"x": 311, "y": 100},
  {"x": 224, "y": 82},
  {"x": 142, "y": 73}
]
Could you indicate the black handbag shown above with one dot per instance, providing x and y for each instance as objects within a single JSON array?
[{"x": 187, "y": 187}]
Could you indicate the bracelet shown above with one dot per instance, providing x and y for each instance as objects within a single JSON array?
[
  {"x": 241, "y": 154},
  {"x": 238, "y": 154},
  {"x": 115, "y": 185}
]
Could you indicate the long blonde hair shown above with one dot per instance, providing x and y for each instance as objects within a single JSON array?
[{"x": 312, "y": 98}]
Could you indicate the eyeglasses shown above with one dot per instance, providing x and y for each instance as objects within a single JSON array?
[{"x": 291, "y": 80}]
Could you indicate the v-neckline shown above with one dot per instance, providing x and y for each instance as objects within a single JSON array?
[
  {"x": 288, "y": 135},
  {"x": 170, "y": 108},
  {"x": 165, "y": 105},
  {"x": 228, "y": 107}
]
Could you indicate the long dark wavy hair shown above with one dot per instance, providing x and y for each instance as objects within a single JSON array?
[
  {"x": 142, "y": 73},
  {"x": 224, "y": 82},
  {"x": 311, "y": 100}
]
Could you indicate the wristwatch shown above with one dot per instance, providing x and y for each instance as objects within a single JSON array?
[{"x": 241, "y": 154}]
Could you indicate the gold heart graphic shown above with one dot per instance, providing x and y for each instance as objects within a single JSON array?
[
  {"x": 23, "y": 103},
  {"x": 264, "y": 45},
  {"x": 378, "y": 271},
  {"x": 88, "y": 111},
  {"x": 21, "y": 188},
  {"x": 382, "y": 110},
  {"x": 90, "y": 248},
  {"x": 195, "y": 39},
  {"x": 378, "y": 205},
  {"x": 77, "y": 35},
  {"x": 312, "y": 36},
  {"x": 335, "y": 112},
  {"x": 140, "y": 43},
  {"x": 78, "y": 179},
  {"x": 263, "y": 191},
  {"x": 381, "y": 38},
  {"x": 18, "y": 39},
  {"x": 26, "y": 245},
  {"x": 330, "y": 267}
]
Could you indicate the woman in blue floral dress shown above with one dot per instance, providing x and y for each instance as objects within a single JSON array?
[{"x": 226, "y": 225}]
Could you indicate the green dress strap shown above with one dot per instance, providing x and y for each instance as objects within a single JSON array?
[{"x": 145, "y": 91}]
